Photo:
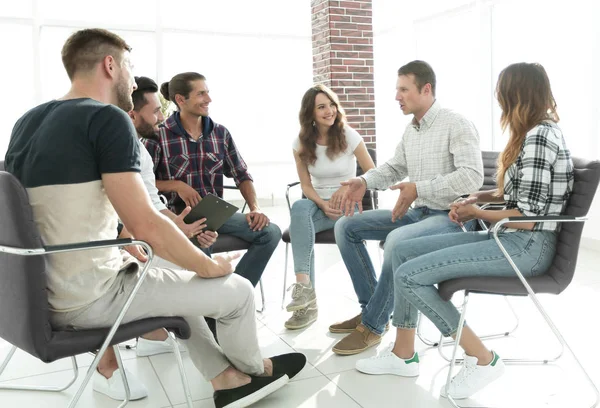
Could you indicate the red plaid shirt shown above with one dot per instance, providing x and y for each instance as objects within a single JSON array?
[{"x": 200, "y": 164}]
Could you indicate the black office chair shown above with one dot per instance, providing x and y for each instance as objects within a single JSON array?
[
  {"x": 554, "y": 281},
  {"x": 24, "y": 314},
  {"x": 227, "y": 243},
  {"x": 369, "y": 202}
]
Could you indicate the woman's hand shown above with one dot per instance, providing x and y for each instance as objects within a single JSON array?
[
  {"x": 464, "y": 210},
  {"x": 336, "y": 199},
  {"x": 332, "y": 213}
]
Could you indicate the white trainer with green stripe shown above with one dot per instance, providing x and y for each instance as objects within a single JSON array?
[
  {"x": 472, "y": 377},
  {"x": 389, "y": 363}
]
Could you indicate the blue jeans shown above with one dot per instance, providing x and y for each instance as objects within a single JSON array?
[
  {"x": 306, "y": 220},
  {"x": 377, "y": 298},
  {"x": 263, "y": 244},
  {"x": 421, "y": 263}
]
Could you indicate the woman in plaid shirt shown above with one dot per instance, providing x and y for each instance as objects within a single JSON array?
[{"x": 535, "y": 178}]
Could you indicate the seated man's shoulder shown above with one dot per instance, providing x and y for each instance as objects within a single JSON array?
[{"x": 455, "y": 120}]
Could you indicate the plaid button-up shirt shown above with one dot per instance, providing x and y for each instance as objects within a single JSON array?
[
  {"x": 200, "y": 164},
  {"x": 540, "y": 181}
]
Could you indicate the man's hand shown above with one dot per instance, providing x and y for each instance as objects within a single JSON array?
[
  {"x": 221, "y": 265},
  {"x": 353, "y": 196},
  {"x": 257, "y": 220},
  {"x": 206, "y": 239},
  {"x": 134, "y": 250},
  {"x": 408, "y": 194},
  {"x": 190, "y": 230},
  {"x": 335, "y": 201},
  {"x": 463, "y": 210},
  {"x": 189, "y": 196}
]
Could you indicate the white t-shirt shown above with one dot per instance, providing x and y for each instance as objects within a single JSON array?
[
  {"x": 147, "y": 173},
  {"x": 326, "y": 174}
]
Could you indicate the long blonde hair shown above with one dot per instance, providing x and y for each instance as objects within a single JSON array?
[
  {"x": 336, "y": 140},
  {"x": 526, "y": 100}
]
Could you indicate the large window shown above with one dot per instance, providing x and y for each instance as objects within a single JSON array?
[
  {"x": 468, "y": 43},
  {"x": 256, "y": 56}
]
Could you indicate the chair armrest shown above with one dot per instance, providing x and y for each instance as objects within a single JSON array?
[
  {"x": 553, "y": 218},
  {"x": 82, "y": 246},
  {"x": 236, "y": 188},
  {"x": 287, "y": 194}
]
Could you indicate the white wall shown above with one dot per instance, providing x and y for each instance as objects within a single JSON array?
[{"x": 469, "y": 42}]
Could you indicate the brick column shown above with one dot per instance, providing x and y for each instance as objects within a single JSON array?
[{"x": 342, "y": 38}]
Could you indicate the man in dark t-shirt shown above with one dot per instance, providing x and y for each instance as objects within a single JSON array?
[{"x": 78, "y": 158}]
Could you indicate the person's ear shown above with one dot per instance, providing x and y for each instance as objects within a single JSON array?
[
  {"x": 131, "y": 114},
  {"x": 427, "y": 89},
  {"x": 179, "y": 99},
  {"x": 109, "y": 65}
]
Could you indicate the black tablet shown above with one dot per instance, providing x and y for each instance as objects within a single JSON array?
[{"x": 214, "y": 209}]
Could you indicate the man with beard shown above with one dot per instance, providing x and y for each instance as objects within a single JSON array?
[{"x": 79, "y": 159}]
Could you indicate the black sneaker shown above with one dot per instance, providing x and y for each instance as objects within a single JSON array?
[
  {"x": 289, "y": 364},
  {"x": 246, "y": 395}
]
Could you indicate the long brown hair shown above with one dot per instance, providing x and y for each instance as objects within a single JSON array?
[
  {"x": 526, "y": 99},
  {"x": 336, "y": 138}
]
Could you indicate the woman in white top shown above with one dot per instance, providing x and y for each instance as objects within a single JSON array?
[{"x": 326, "y": 151}]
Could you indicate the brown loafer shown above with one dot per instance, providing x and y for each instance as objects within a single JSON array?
[
  {"x": 347, "y": 326},
  {"x": 356, "y": 342}
]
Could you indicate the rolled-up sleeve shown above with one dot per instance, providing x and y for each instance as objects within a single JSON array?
[{"x": 235, "y": 166}]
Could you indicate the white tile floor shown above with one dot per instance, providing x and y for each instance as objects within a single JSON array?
[{"x": 330, "y": 381}]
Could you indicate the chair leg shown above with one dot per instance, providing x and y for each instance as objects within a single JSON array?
[
  {"x": 450, "y": 342},
  {"x": 453, "y": 361},
  {"x": 552, "y": 326},
  {"x": 552, "y": 359},
  {"x": 123, "y": 376},
  {"x": 36, "y": 387},
  {"x": 184, "y": 380},
  {"x": 262, "y": 296},
  {"x": 285, "y": 274}
]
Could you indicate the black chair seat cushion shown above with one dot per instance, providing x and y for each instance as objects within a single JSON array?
[
  {"x": 67, "y": 343},
  {"x": 227, "y": 243},
  {"x": 499, "y": 286},
  {"x": 323, "y": 237}
]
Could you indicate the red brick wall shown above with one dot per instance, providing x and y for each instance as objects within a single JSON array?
[{"x": 342, "y": 37}]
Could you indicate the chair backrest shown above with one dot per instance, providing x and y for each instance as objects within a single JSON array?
[
  {"x": 24, "y": 316},
  {"x": 587, "y": 177},
  {"x": 489, "y": 169},
  {"x": 369, "y": 201}
]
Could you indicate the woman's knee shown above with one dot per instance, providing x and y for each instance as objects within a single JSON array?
[{"x": 302, "y": 207}]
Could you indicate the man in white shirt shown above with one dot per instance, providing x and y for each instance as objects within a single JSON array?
[{"x": 440, "y": 155}]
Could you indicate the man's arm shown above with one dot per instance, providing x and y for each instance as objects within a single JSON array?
[
  {"x": 128, "y": 196},
  {"x": 249, "y": 194},
  {"x": 390, "y": 172}
]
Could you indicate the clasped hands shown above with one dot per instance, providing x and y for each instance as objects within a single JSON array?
[{"x": 463, "y": 210}]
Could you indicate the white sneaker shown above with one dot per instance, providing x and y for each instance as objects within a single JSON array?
[
  {"x": 472, "y": 377},
  {"x": 147, "y": 348},
  {"x": 114, "y": 388},
  {"x": 389, "y": 363}
]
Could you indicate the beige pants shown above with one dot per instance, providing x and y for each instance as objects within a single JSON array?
[{"x": 174, "y": 292}]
